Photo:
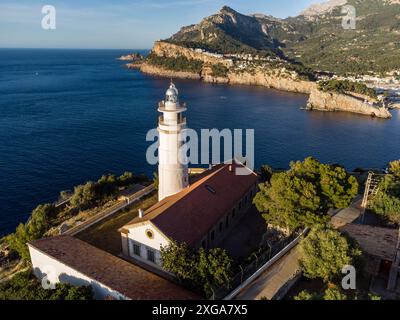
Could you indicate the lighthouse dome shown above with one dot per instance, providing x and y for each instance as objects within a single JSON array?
[{"x": 171, "y": 95}]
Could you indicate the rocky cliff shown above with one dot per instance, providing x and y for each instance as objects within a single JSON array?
[
  {"x": 158, "y": 71},
  {"x": 270, "y": 80},
  {"x": 261, "y": 75},
  {"x": 329, "y": 101},
  {"x": 166, "y": 49}
]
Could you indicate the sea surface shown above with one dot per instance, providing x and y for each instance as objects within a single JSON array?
[{"x": 69, "y": 116}]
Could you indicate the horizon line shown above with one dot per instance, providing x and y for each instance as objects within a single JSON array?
[{"x": 71, "y": 48}]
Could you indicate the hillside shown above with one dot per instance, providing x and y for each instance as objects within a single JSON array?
[
  {"x": 315, "y": 38},
  {"x": 291, "y": 54}
]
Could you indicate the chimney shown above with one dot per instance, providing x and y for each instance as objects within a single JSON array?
[{"x": 141, "y": 213}]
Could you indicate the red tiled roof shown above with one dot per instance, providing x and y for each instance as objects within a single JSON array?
[
  {"x": 376, "y": 241},
  {"x": 188, "y": 215},
  {"x": 113, "y": 272}
]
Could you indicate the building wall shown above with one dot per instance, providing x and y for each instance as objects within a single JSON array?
[
  {"x": 139, "y": 235},
  {"x": 228, "y": 221},
  {"x": 56, "y": 272}
]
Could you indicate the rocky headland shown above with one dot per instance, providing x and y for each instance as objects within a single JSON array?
[
  {"x": 232, "y": 72},
  {"x": 331, "y": 101},
  {"x": 213, "y": 68}
]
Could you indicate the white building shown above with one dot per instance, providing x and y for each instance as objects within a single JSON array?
[
  {"x": 70, "y": 260},
  {"x": 201, "y": 214}
]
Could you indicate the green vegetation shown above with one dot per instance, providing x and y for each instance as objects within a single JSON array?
[
  {"x": 394, "y": 168},
  {"x": 179, "y": 63},
  {"x": 266, "y": 173},
  {"x": 219, "y": 70},
  {"x": 155, "y": 180},
  {"x": 94, "y": 194},
  {"x": 35, "y": 228},
  {"x": 87, "y": 196},
  {"x": 305, "y": 73},
  {"x": 25, "y": 286},
  {"x": 343, "y": 86},
  {"x": 331, "y": 293},
  {"x": 205, "y": 269},
  {"x": 303, "y": 195},
  {"x": 324, "y": 252},
  {"x": 387, "y": 200}
]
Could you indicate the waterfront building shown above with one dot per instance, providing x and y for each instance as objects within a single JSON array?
[{"x": 200, "y": 214}]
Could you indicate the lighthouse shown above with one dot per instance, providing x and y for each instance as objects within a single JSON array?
[{"x": 172, "y": 167}]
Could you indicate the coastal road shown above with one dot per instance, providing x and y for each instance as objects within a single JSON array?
[{"x": 268, "y": 284}]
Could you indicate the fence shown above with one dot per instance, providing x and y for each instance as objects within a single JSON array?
[
  {"x": 263, "y": 260},
  {"x": 110, "y": 211}
]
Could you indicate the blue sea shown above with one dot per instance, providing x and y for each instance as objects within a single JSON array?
[{"x": 69, "y": 116}]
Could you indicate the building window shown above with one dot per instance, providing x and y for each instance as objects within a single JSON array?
[
  {"x": 136, "y": 249},
  {"x": 227, "y": 221},
  {"x": 212, "y": 235},
  {"x": 151, "y": 255},
  {"x": 220, "y": 226}
]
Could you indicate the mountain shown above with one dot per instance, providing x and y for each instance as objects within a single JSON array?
[
  {"x": 228, "y": 32},
  {"x": 315, "y": 38}
]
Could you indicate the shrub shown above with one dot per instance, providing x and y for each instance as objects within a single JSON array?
[
  {"x": 25, "y": 286},
  {"x": 343, "y": 86},
  {"x": 325, "y": 252},
  {"x": 35, "y": 228},
  {"x": 205, "y": 269},
  {"x": 387, "y": 200},
  {"x": 303, "y": 195},
  {"x": 306, "y": 295},
  {"x": 84, "y": 195},
  {"x": 219, "y": 70},
  {"x": 179, "y": 63},
  {"x": 334, "y": 294}
]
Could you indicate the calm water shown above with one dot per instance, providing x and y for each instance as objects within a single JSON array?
[{"x": 68, "y": 116}]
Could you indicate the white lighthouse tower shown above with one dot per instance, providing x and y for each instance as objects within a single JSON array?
[{"x": 172, "y": 171}]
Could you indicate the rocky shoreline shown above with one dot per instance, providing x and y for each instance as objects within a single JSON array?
[
  {"x": 244, "y": 78},
  {"x": 330, "y": 101},
  {"x": 280, "y": 79}
]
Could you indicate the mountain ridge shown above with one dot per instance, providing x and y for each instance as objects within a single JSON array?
[{"x": 315, "y": 38}]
